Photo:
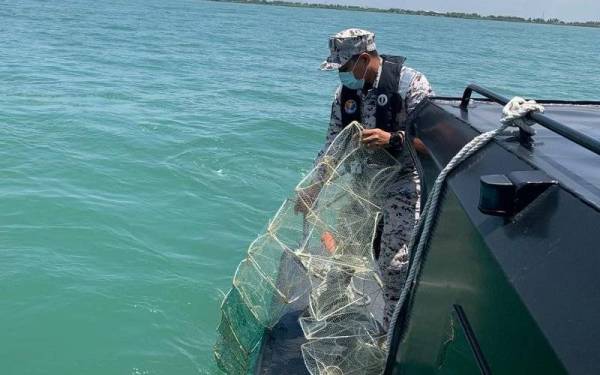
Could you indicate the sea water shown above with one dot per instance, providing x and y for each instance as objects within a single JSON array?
[{"x": 144, "y": 144}]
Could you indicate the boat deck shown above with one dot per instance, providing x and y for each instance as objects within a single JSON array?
[{"x": 574, "y": 166}]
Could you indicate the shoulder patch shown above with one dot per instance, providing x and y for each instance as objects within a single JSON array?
[{"x": 350, "y": 106}]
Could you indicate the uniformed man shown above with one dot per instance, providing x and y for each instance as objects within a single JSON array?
[{"x": 378, "y": 91}]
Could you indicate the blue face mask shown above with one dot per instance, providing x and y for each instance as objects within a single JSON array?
[{"x": 350, "y": 81}]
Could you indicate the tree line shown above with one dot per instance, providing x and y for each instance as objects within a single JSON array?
[{"x": 474, "y": 16}]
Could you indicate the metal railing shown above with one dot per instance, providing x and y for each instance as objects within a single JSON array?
[{"x": 573, "y": 135}]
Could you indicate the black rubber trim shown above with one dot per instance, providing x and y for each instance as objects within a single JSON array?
[
  {"x": 473, "y": 343},
  {"x": 541, "y": 101}
]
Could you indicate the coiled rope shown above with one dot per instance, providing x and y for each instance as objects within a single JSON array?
[{"x": 513, "y": 115}]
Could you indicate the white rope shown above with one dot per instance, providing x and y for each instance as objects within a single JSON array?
[
  {"x": 518, "y": 108},
  {"x": 514, "y": 111}
]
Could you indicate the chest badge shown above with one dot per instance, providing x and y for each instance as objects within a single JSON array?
[
  {"x": 382, "y": 100},
  {"x": 350, "y": 106}
]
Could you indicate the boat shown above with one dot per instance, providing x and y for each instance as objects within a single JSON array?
[{"x": 508, "y": 279}]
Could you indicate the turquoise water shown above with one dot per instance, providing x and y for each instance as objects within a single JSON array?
[{"x": 144, "y": 144}]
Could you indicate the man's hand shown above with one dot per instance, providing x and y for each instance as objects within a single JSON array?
[
  {"x": 375, "y": 137},
  {"x": 306, "y": 198}
]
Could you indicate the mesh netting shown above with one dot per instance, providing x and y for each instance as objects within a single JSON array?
[{"x": 320, "y": 263}]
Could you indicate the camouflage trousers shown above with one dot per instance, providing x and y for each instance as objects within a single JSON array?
[{"x": 400, "y": 212}]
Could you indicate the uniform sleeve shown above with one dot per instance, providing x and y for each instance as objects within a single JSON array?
[
  {"x": 414, "y": 87},
  {"x": 335, "y": 124},
  {"x": 418, "y": 90}
]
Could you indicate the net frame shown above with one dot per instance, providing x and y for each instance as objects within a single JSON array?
[{"x": 290, "y": 264}]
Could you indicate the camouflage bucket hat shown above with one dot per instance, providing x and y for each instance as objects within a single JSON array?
[{"x": 345, "y": 44}]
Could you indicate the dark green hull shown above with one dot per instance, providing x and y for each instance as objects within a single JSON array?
[
  {"x": 505, "y": 295},
  {"x": 466, "y": 318}
]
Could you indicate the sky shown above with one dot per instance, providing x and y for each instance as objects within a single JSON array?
[{"x": 568, "y": 10}]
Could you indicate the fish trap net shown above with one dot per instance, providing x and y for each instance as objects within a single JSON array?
[{"x": 320, "y": 264}]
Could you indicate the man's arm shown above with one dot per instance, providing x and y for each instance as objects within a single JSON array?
[
  {"x": 307, "y": 197},
  {"x": 413, "y": 88},
  {"x": 416, "y": 88}
]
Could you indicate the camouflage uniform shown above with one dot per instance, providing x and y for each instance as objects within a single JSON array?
[{"x": 401, "y": 208}]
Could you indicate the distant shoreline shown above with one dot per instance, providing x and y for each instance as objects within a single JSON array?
[{"x": 471, "y": 16}]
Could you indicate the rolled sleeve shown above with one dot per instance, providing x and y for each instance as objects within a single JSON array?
[{"x": 414, "y": 87}]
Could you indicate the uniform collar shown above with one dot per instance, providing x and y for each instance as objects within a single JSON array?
[{"x": 376, "y": 82}]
